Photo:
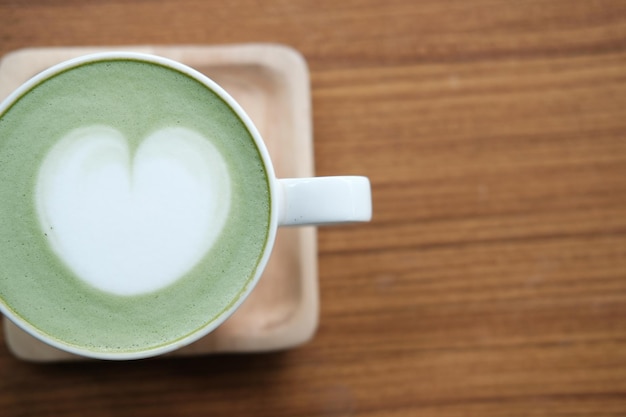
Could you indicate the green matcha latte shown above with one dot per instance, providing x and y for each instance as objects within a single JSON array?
[{"x": 134, "y": 206}]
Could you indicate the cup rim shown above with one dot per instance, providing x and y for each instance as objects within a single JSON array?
[{"x": 272, "y": 184}]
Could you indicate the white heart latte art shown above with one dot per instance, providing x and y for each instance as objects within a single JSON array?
[{"x": 131, "y": 224}]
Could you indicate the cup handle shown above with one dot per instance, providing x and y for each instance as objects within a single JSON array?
[{"x": 321, "y": 201}]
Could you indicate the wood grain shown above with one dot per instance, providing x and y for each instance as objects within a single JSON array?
[{"x": 492, "y": 281}]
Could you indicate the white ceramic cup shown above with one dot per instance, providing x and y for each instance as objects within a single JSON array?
[{"x": 294, "y": 201}]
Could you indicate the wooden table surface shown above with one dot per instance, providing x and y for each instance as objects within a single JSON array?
[{"x": 492, "y": 281}]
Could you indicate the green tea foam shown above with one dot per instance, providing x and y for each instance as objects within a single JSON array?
[{"x": 91, "y": 159}]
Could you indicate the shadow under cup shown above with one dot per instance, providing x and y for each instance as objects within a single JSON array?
[{"x": 109, "y": 121}]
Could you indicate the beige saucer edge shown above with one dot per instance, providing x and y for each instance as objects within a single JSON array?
[{"x": 271, "y": 82}]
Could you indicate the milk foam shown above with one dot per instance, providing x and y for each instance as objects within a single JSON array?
[{"x": 127, "y": 222}]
